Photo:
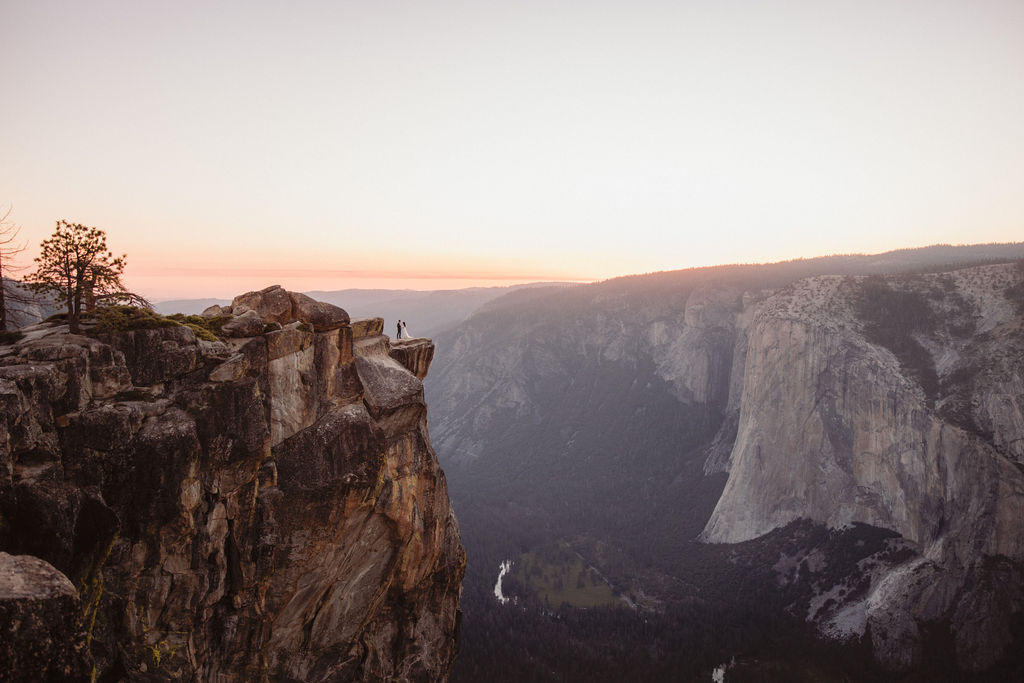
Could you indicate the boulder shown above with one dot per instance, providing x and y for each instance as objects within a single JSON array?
[
  {"x": 368, "y": 347},
  {"x": 275, "y": 306},
  {"x": 248, "y": 324},
  {"x": 41, "y": 633},
  {"x": 367, "y": 327},
  {"x": 272, "y": 304},
  {"x": 288, "y": 340},
  {"x": 322, "y": 316},
  {"x": 414, "y": 354},
  {"x": 392, "y": 394}
]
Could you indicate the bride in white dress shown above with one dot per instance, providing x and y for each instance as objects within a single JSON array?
[{"x": 405, "y": 331}]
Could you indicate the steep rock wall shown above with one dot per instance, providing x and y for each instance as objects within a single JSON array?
[
  {"x": 491, "y": 363},
  {"x": 264, "y": 508},
  {"x": 921, "y": 438},
  {"x": 908, "y": 418}
]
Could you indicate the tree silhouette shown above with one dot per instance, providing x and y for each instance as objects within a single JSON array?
[
  {"x": 75, "y": 267},
  {"x": 9, "y": 249}
]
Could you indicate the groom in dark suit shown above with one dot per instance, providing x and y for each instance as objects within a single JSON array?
[{"x": 399, "y": 335}]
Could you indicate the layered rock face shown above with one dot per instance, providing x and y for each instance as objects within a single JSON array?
[
  {"x": 489, "y": 375},
  {"x": 895, "y": 402},
  {"x": 267, "y": 507}
]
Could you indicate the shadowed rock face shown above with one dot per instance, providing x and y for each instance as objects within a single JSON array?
[
  {"x": 414, "y": 354},
  {"x": 266, "y": 508},
  {"x": 840, "y": 424},
  {"x": 48, "y": 642}
]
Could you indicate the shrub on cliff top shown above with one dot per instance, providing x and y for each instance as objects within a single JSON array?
[
  {"x": 123, "y": 318},
  {"x": 208, "y": 328}
]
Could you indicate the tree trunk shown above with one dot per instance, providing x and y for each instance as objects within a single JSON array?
[
  {"x": 3, "y": 299},
  {"x": 73, "y": 312},
  {"x": 90, "y": 296}
]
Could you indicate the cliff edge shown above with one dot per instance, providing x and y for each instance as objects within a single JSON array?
[{"x": 263, "y": 507}]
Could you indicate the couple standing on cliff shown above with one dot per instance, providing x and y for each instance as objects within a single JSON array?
[{"x": 403, "y": 333}]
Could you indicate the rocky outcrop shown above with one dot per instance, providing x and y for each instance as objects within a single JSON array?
[
  {"x": 267, "y": 507},
  {"x": 896, "y": 403},
  {"x": 40, "y": 623},
  {"x": 275, "y": 305},
  {"x": 413, "y": 354}
]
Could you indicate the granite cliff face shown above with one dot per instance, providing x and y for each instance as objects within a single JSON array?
[
  {"x": 853, "y": 399},
  {"x": 267, "y": 507},
  {"x": 494, "y": 373},
  {"x": 898, "y": 403}
]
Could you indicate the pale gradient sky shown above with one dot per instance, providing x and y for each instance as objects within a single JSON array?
[{"x": 227, "y": 146}]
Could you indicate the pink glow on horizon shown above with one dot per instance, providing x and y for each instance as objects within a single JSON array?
[
  {"x": 203, "y": 284},
  {"x": 450, "y": 144}
]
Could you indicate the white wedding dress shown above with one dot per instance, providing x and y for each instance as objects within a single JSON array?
[{"x": 405, "y": 332}]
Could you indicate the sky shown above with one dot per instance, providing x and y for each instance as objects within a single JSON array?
[{"x": 432, "y": 145}]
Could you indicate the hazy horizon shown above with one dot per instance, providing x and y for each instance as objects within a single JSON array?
[
  {"x": 389, "y": 284},
  {"x": 387, "y": 144}
]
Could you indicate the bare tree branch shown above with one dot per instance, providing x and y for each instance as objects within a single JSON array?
[{"x": 9, "y": 249}]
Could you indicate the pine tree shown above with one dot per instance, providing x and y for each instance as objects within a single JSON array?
[{"x": 75, "y": 267}]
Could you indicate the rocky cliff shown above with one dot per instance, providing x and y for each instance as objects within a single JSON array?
[
  {"x": 844, "y": 399},
  {"x": 266, "y": 506},
  {"x": 896, "y": 402}
]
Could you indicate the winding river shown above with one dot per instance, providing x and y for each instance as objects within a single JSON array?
[{"x": 503, "y": 569}]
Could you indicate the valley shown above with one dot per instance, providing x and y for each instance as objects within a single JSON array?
[{"x": 630, "y": 423}]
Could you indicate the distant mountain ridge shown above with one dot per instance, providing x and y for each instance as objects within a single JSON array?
[
  {"x": 426, "y": 312},
  {"x": 187, "y": 306}
]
